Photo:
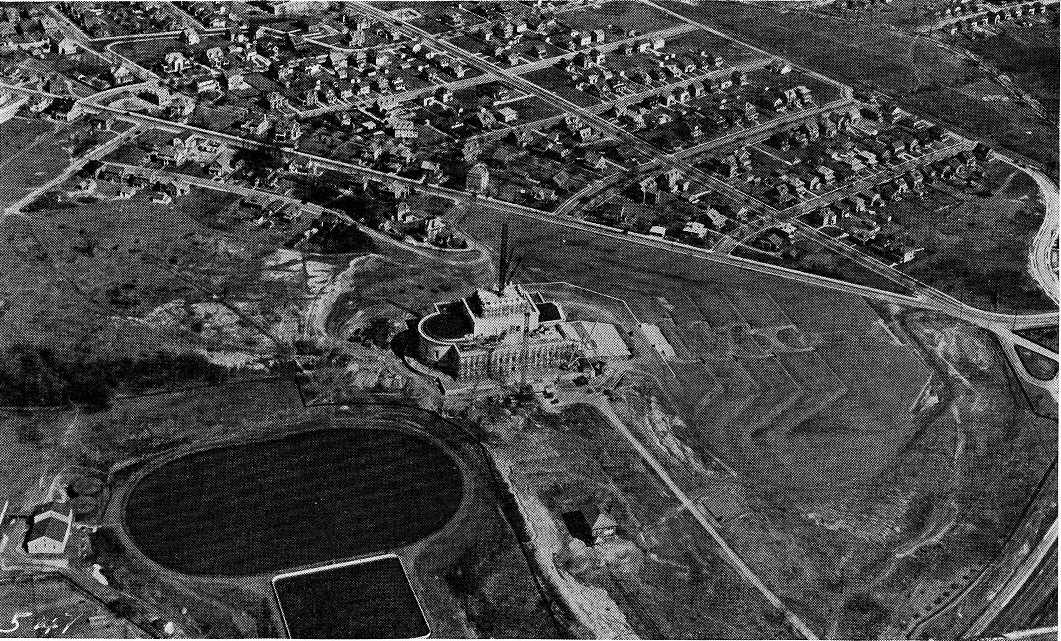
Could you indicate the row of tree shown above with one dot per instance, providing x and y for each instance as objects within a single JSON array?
[{"x": 35, "y": 376}]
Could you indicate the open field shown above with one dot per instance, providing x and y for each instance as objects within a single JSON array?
[
  {"x": 976, "y": 242},
  {"x": 119, "y": 251},
  {"x": 556, "y": 81},
  {"x": 660, "y": 575},
  {"x": 371, "y": 600},
  {"x": 845, "y": 464},
  {"x": 31, "y": 153},
  {"x": 849, "y": 339},
  {"x": 90, "y": 284},
  {"x": 248, "y": 504},
  {"x": 1028, "y": 54},
  {"x": 622, "y": 14}
]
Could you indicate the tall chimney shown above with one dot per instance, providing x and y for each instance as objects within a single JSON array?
[{"x": 502, "y": 266}]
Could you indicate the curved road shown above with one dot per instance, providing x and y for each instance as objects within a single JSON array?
[{"x": 1039, "y": 263}]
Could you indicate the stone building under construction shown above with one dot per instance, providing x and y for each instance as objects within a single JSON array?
[{"x": 495, "y": 334}]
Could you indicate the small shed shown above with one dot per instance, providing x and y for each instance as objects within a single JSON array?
[{"x": 589, "y": 524}]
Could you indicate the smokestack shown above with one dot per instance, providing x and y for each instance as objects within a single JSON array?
[{"x": 502, "y": 266}]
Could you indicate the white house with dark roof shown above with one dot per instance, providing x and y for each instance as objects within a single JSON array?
[{"x": 50, "y": 531}]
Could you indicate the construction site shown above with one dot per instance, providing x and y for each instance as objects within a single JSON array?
[{"x": 514, "y": 338}]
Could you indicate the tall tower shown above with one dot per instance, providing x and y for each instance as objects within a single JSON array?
[{"x": 502, "y": 265}]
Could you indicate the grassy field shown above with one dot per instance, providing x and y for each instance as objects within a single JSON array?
[
  {"x": 136, "y": 254},
  {"x": 661, "y": 571},
  {"x": 976, "y": 244},
  {"x": 834, "y": 487},
  {"x": 849, "y": 339},
  {"x": 556, "y": 81},
  {"x": 1039, "y": 366},
  {"x": 31, "y": 153},
  {"x": 1045, "y": 336},
  {"x": 622, "y": 14},
  {"x": 1029, "y": 55},
  {"x": 113, "y": 297},
  {"x": 864, "y": 432}
]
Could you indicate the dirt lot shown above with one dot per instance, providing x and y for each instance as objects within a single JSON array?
[
  {"x": 826, "y": 515},
  {"x": 658, "y": 577}
]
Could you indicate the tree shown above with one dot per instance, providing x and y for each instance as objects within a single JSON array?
[
  {"x": 262, "y": 159},
  {"x": 471, "y": 150}
]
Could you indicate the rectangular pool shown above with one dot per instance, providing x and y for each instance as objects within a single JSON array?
[{"x": 363, "y": 599}]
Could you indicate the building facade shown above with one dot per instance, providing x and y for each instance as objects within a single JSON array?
[
  {"x": 50, "y": 530},
  {"x": 494, "y": 334}
]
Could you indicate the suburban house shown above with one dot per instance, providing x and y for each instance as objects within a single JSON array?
[{"x": 50, "y": 531}]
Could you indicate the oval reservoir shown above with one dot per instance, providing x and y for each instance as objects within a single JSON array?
[{"x": 306, "y": 498}]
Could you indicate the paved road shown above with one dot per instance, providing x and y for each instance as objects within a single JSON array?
[
  {"x": 483, "y": 79},
  {"x": 1025, "y": 611},
  {"x": 1009, "y": 341},
  {"x": 586, "y": 114},
  {"x": 926, "y": 297},
  {"x": 1038, "y": 634},
  {"x": 759, "y": 132},
  {"x": 923, "y": 300},
  {"x": 1039, "y": 262},
  {"x": 188, "y": 19},
  {"x": 847, "y": 91},
  {"x": 606, "y": 47},
  {"x": 947, "y": 303},
  {"x": 939, "y": 300},
  {"x": 884, "y": 173},
  {"x": 944, "y": 302},
  {"x": 313, "y": 210},
  {"x": 629, "y": 99},
  {"x": 1015, "y": 583},
  {"x": 80, "y": 37}
]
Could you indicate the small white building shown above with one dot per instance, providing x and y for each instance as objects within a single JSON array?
[
  {"x": 50, "y": 531},
  {"x": 478, "y": 179},
  {"x": 695, "y": 228},
  {"x": 657, "y": 340}
]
